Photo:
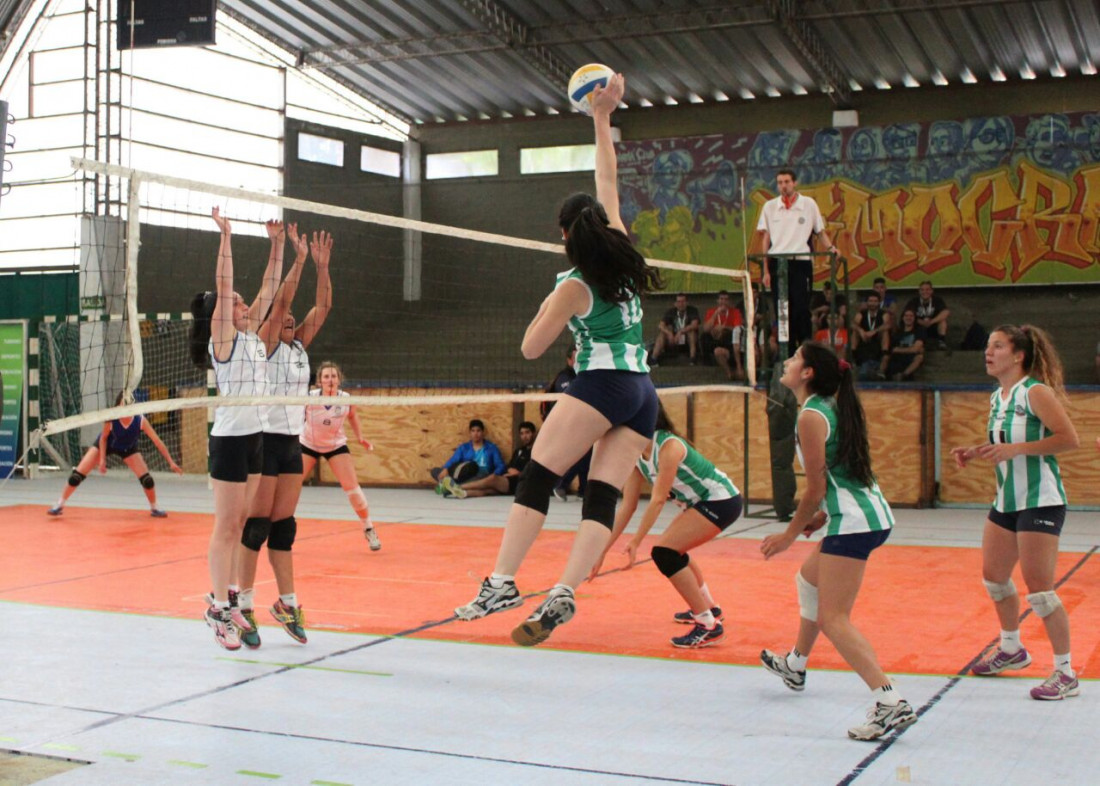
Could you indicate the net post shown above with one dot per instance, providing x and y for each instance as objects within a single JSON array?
[
  {"x": 133, "y": 243},
  {"x": 34, "y": 409}
]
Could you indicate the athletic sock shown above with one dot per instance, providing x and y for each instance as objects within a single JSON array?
[
  {"x": 245, "y": 599},
  {"x": 1062, "y": 664},
  {"x": 221, "y": 605},
  {"x": 60, "y": 503},
  {"x": 367, "y": 523},
  {"x": 563, "y": 587},
  {"x": 706, "y": 619},
  {"x": 796, "y": 661},
  {"x": 496, "y": 580},
  {"x": 1010, "y": 641},
  {"x": 707, "y": 596},
  {"x": 887, "y": 695},
  {"x": 290, "y": 600}
]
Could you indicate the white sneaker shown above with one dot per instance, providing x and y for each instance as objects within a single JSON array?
[
  {"x": 558, "y": 608},
  {"x": 225, "y": 632},
  {"x": 372, "y": 538},
  {"x": 883, "y": 718},
  {"x": 490, "y": 600}
]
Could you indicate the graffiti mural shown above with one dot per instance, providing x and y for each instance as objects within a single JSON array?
[{"x": 980, "y": 201}]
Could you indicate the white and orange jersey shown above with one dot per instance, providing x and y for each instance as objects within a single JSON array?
[{"x": 324, "y": 423}]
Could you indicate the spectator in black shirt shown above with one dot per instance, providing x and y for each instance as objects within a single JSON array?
[
  {"x": 932, "y": 314},
  {"x": 907, "y": 348},
  {"x": 679, "y": 330},
  {"x": 871, "y": 339}
]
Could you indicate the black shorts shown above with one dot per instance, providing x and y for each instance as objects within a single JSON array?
[
  {"x": 313, "y": 453},
  {"x": 235, "y": 458},
  {"x": 857, "y": 545},
  {"x": 282, "y": 454},
  {"x": 122, "y": 454},
  {"x": 1049, "y": 519},
  {"x": 720, "y": 513},
  {"x": 626, "y": 398}
]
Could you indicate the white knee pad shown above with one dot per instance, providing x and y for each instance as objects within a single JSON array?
[
  {"x": 1044, "y": 603},
  {"x": 807, "y": 598},
  {"x": 1000, "y": 591}
]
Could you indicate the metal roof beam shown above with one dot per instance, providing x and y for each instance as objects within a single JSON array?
[
  {"x": 807, "y": 41},
  {"x": 516, "y": 36}
]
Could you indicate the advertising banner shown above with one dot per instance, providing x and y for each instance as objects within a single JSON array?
[{"x": 13, "y": 348}]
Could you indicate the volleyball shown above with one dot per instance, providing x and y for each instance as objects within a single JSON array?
[{"x": 582, "y": 82}]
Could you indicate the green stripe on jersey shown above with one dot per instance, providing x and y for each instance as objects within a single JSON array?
[
  {"x": 697, "y": 479},
  {"x": 609, "y": 336},
  {"x": 1023, "y": 482},
  {"x": 850, "y": 506}
]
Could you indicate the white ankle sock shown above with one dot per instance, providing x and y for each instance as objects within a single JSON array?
[
  {"x": 290, "y": 600},
  {"x": 367, "y": 523},
  {"x": 706, "y": 619},
  {"x": 1062, "y": 663},
  {"x": 564, "y": 587},
  {"x": 1010, "y": 641},
  {"x": 245, "y": 599},
  {"x": 796, "y": 661},
  {"x": 497, "y": 579},
  {"x": 887, "y": 695}
]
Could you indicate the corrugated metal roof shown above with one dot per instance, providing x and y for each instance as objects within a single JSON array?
[{"x": 447, "y": 60}]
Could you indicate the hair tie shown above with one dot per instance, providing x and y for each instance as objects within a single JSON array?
[{"x": 845, "y": 366}]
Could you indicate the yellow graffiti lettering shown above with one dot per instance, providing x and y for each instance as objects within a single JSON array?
[{"x": 994, "y": 195}]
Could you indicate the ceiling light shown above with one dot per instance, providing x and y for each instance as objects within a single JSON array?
[
  {"x": 670, "y": 101},
  {"x": 968, "y": 76},
  {"x": 996, "y": 74},
  {"x": 1088, "y": 69},
  {"x": 1057, "y": 70},
  {"x": 855, "y": 85},
  {"x": 720, "y": 96},
  {"x": 799, "y": 90},
  {"x": 693, "y": 98},
  {"x": 504, "y": 113},
  {"x": 552, "y": 111},
  {"x": 910, "y": 81},
  {"x": 528, "y": 112},
  {"x": 938, "y": 79},
  {"x": 645, "y": 102},
  {"x": 882, "y": 84},
  {"x": 1026, "y": 72},
  {"x": 772, "y": 92},
  {"x": 747, "y": 94},
  {"x": 461, "y": 118},
  {"x": 483, "y": 116}
]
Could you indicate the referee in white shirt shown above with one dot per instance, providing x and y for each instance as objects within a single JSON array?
[{"x": 785, "y": 227}]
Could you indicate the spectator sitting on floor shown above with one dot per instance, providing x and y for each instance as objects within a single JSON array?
[
  {"x": 491, "y": 485},
  {"x": 474, "y": 459},
  {"x": 722, "y": 331},
  {"x": 932, "y": 314},
  {"x": 907, "y": 348},
  {"x": 678, "y": 331},
  {"x": 871, "y": 339}
]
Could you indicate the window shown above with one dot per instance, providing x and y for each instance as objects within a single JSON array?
[
  {"x": 320, "y": 149},
  {"x": 564, "y": 158},
  {"x": 471, "y": 163},
  {"x": 379, "y": 161}
]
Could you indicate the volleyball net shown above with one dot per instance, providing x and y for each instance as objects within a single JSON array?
[{"x": 423, "y": 314}]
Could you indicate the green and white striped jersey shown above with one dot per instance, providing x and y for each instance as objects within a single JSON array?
[
  {"x": 850, "y": 506},
  {"x": 697, "y": 480},
  {"x": 609, "y": 335},
  {"x": 1024, "y": 481}
]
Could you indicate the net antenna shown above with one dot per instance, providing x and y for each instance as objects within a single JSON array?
[{"x": 142, "y": 331}]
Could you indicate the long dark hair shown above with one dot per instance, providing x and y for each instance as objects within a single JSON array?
[
  {"x": 834, "y": 377},
  {"x": 605, "y": 257},
  {"x": 202, "y": 309},
  {"x": 1041, "y": 359}
]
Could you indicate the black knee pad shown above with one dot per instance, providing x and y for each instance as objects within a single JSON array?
[
  {"x": 256, "y": 530},
  {"x": 599, "y": 504},
  {"x": 536, "y": 483},
  {"x": 282, "y": 534},
  {"x": 76, "y": 479},
  {"x": 146, "y": 481},
  {"x": 668, "y": 561}
]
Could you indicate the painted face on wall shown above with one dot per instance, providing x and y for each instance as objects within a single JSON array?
[
  {"x": 1045, "y": 135},
  {"x": 991, "y": 135},
  {"x": 945, "y": 139},
  {"x": 900, "y": 140},
  {"x": 863, "y": 146}
]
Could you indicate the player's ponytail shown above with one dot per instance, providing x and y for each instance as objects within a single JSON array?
[{"x": 835, "y": 377}]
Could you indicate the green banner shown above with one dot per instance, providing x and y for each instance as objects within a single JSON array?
[{"x": 13, "y": 346}]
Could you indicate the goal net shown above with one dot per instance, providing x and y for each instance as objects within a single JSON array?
[{"x": 423, "y": 315}]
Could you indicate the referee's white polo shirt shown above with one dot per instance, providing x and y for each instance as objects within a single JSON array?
[{"x": 789, "y": 229}]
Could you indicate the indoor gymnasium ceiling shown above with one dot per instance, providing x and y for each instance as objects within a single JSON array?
[{"x": 446, "y": 60}]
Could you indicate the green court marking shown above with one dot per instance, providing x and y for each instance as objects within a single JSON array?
[
  {"x": 328, "y": 783},
  {"x": 117, "y": 755},
  {"x": 269, "y": 775},
  {"x": 57, "y": 746},
  {"x": 303, "y": 666},
  {"x": 192, "y": 764},
  {"x": 8, "y": 739}
]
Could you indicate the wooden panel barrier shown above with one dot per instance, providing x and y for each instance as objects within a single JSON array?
[{"x": 409, "y": 440}]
